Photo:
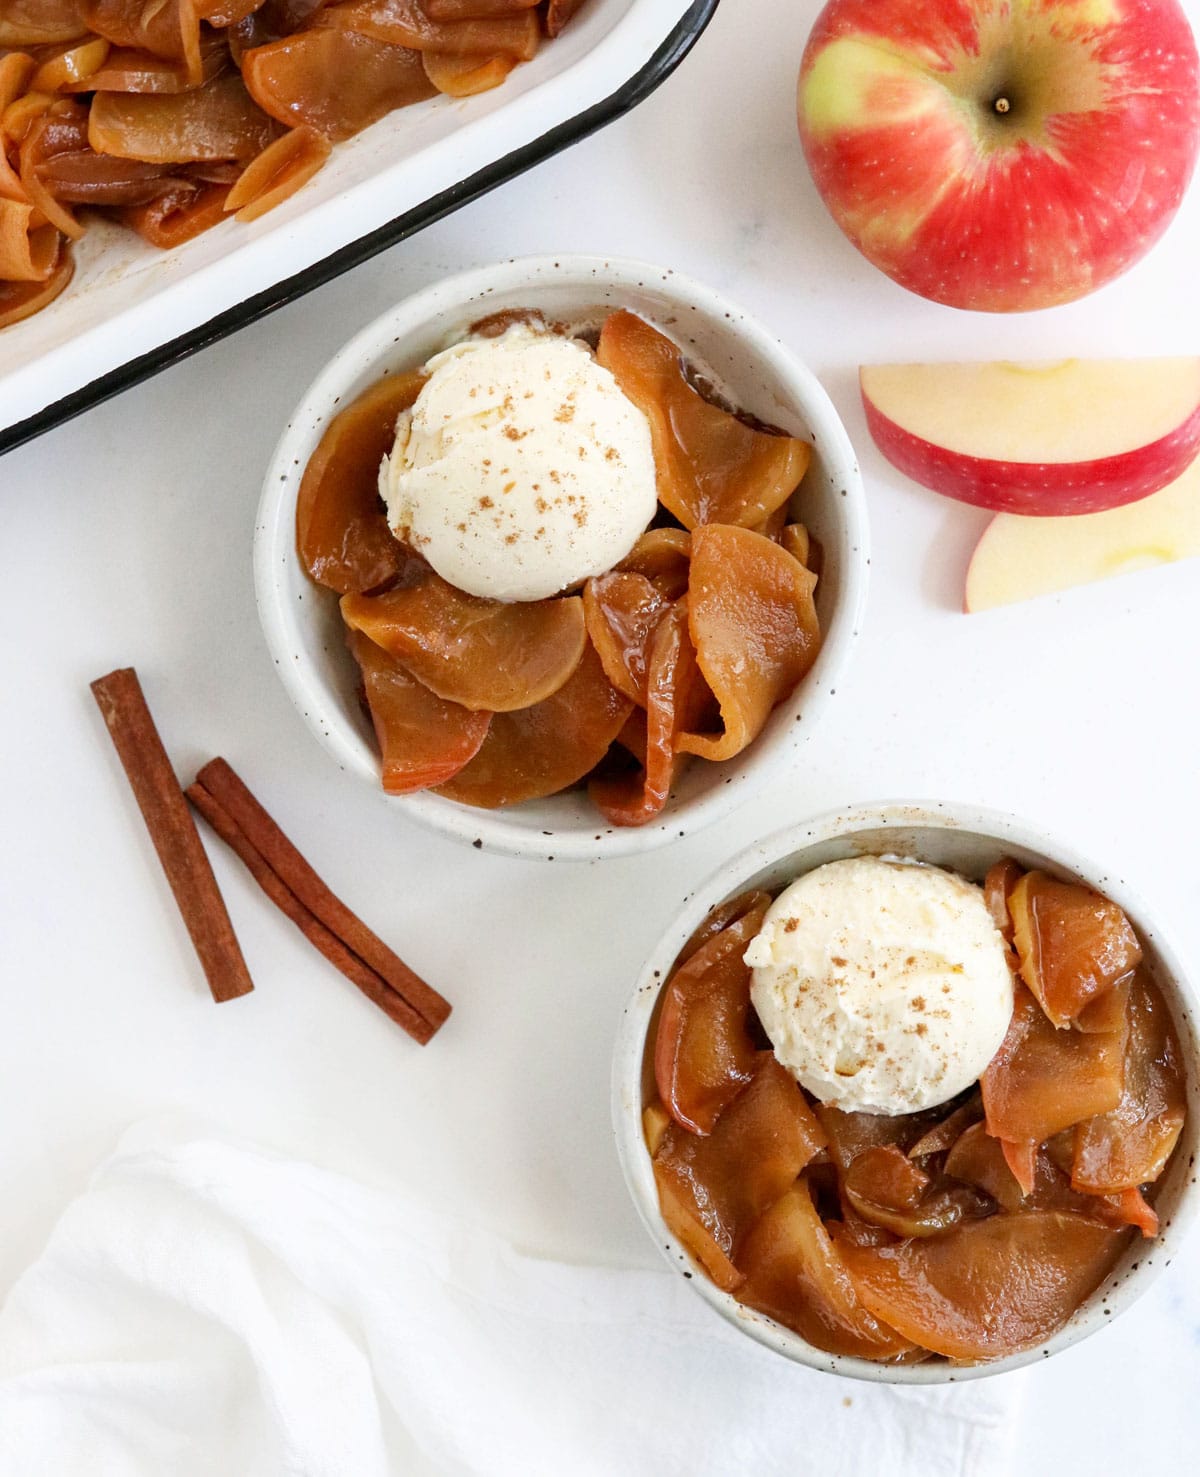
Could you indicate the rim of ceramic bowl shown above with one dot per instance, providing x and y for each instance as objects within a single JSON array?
[
  {"x": 785, "y": 852},
  {"x": 504, "y": 831}
]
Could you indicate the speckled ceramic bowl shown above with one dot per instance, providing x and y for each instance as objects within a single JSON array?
[
  {"x": 967, "y": 841},
  {"x": 302, "y": 626}
]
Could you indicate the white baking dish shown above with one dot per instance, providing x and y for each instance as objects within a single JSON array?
[{"x": 131, "y": 309}]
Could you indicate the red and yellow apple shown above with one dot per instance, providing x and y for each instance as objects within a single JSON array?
[
  {"x": 1001, "y": 154},
  {"x": 1018, "y": 558},
  {"x": 1076, "y": 436}
]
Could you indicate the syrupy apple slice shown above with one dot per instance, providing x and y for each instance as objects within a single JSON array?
[
  {"x": 1108, "y": 1011},
  {"x": 712, "y": 467},
  {"x": 1021, "y": 1157},
  {"x": 495, "y": 656},
  {"x": 1129, "y": 1146},
  {"x": 1001, "y": 878},
  {"x": 423, "y": 740},
  {"x": 623, "y": 610},
  {"x": 407, "y": 23},
  {"x": 538, "y": 751},
  {"x": 719, "y": 918},
  {"x": 342, "y": 532},
  {"x": 674, "y": 692},
  {"x": 703, "y": 1052},
  {"x": 945, "y": 1134},
  {"x": 1043, "y": 1079},
  {"x": 169, "y": 30},
  {"x": 217, "y": 121},
  {"x": 718, "y": 1186},
  {"x": 663, "y": 556},
  {"x": 851, "y": 1134},
  {"x": 335, "y": 81},
  {"x": 988, "y": 1287},
  {"x": 978, "y": 1159},
  {"x": 800, "y": 544},
  {"x": 558, "y": 14},
  {"x": 1072, "y": 944},
  {"x": 754, "y": 627},
  {"x": 468, "y": 75},
  {"x": 794, "y": 1273},
  {"x": 884, "y": 1187}
]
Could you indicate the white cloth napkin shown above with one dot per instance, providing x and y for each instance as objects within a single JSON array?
[{"x": 208, "y": 1309}]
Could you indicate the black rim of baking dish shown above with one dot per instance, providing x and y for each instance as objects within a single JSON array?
[{"x": 639, "y": 87}]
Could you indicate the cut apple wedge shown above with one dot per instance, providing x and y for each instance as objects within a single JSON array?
[
  {"x": 1046, "y": 440},
  {"x": 1018, "y": 558}
]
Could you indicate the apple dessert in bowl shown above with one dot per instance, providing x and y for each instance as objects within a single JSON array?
[
  {"x": 910, "y": 1095},
  {"x": 594, "y": 542}
]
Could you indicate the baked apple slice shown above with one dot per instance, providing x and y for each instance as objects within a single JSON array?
[
  {"x": 1072, "y": 944},
  {"x": 493, "y": 656},
  {"x": 623, "y": 610},
  {"x": 988, "y": 1287},
  {"x": 720, "y": 917},
  {"x": 1129, "y": 1146},
  {"x": 674, "y": 692},
  {"x": 794, "y": 1274},
  {"x": 423, "y": 740},
  {"x": 1043, "y": 1080},
  {"x": 540, "y": 750},
  {"x": 703, "y": 1053},
  {"x": 712, "y": 467},
  {"x": 885, "y": 1188},
  {"x": 944, "y": 1135},
  {"x": 852, "y": 1134},
  {"x": 716, "y": 1187},
  {"x": 663, "y": 556},
  {"x": 979, "y": 1159},
  {"x": 754, "y": 627},
  {"x": 342, "y": 532},
  {"x": 336, "y": 81},
  {"x": 1001, "y": 878}
]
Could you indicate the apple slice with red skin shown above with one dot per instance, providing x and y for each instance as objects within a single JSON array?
[
  {"x": 1046, "y": 440},
  {"x": 1020, "y": 558},
  {"x": 703, "y": 1052}
]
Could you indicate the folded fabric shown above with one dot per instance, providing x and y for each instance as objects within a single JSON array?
[{"x": 208, "y": 1308}]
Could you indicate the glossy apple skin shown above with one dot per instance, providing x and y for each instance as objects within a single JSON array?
[
  {"x": 1018, "y": 558},
  {"x": 1067, "y": 190},
  {"x": 1038, "y": 489}
]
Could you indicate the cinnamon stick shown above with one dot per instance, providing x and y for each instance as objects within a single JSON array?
[
  {"x": 123, "y": 705},
  {"x": 218, "y": 779},
  {"x": 376, "y": 990}
]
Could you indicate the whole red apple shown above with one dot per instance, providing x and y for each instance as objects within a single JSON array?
[{"x": 1001, "y": 154}]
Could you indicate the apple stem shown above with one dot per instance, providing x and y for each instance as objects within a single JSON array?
[{"x": 1002, "y": 105}]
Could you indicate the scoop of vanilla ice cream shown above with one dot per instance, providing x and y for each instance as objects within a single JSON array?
[
  {"x": 522, "y": 468},
  {"x": 883, "y": 985}
]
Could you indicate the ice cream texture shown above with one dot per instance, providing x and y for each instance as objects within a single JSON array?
[
  {"x": 522, "y": 469},
  {"x": 883, "y": 984}
]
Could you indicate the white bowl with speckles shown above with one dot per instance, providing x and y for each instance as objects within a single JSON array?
[
  {"x": 301, "y": 622},
  {"x": 966, "y": 840}
]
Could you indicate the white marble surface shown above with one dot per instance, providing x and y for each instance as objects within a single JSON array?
[{"x": 126, "y": 539}]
